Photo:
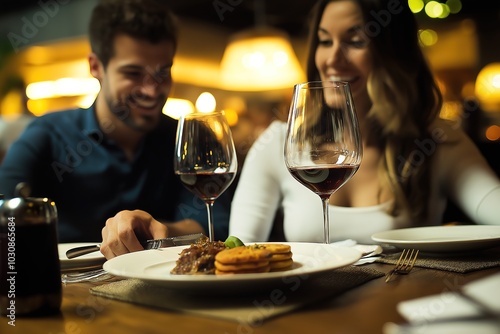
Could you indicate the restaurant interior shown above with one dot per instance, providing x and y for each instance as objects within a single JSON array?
[
  {"x": 44, "y": 48},
  {"x": 243, "y": 57}
]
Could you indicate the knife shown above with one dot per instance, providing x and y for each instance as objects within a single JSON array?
[{"x": 182, "y": 240}]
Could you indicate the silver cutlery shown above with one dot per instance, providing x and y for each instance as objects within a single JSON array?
[
  {"x": 100, "y": 274},
  {"x": 149, "y": 244},
  {"x": 93, "y": 275},
  {"x": 404, "y": 265}
]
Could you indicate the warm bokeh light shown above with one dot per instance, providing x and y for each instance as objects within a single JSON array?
[
  {"x": 62, "y": 87},
  {"x": 416, "y": 6},
  {"x": 176, "y": 108},
  {"x": 40, "y": 107},
  {"x": 445, "y": 11},
  {"x": 428, "y": 37},
  {"x": 12, "y": 104},
  {"x": 259, "y": 60},
  {"x": 488, "y": 87},
  {"x": 467, "y": 91},
  {"x": 451, "y": 110},
  {"x": 435, "y": 9},
  {"x": 455, "y": 6},
  {"x": 493, "y": 133},
  {"x": 86, "y": 101},
  {"x": 231, "y": 116},
  {"x": 205, "y": 102}
]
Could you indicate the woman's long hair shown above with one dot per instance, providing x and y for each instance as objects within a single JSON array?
[{"x": 405, "y": 99}]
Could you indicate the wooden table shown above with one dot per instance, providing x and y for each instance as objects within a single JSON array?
[{"x": 364, "y": 309}]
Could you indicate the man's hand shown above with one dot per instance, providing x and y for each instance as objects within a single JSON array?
[{"x": 122, "y": 232}]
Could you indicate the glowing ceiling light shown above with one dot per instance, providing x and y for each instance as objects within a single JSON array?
[
  {"x": 62, "y": 87},
  {"x": 495, "y": 81},
  {"x": 260, "y": 59},
  {"x": 487, "y": 87},
  {"x": 176, "y": 108},
  {"x": 205, "y": 102}
]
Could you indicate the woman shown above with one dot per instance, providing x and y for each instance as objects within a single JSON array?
[{"x": 412, "y": 163}]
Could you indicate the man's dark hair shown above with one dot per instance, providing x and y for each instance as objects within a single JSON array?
[{"x": 142, "y": 19}]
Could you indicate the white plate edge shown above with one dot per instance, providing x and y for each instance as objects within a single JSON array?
[{"x": 108, "y": 266}]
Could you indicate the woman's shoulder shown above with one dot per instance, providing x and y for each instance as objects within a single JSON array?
[
  {"x": 275, "y": 132},
  {"x": 452, "y": 144},
  {"x": 277, "y": 126},
  {"x": 270, "y": 140},
  {"x": 446, "y": 131}
]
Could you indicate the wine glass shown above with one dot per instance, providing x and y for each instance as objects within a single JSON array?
[
  {"x": 323, "y": 147},
  {"x": 205, "y": 157}
]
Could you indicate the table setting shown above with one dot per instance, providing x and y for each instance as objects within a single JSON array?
[
  {"x": 461, "y": 248},
  {"x": 328, "y": 284},
  {"x": 327, "y": 300},
  {"x": 319, "y": 272},
  {"x": 143, "y": 279}
]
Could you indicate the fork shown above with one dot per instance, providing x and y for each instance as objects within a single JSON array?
[
  {"x": 93, "y": 275},
  {"x": 404, "y": 265}
]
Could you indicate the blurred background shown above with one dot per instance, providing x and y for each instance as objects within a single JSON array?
[{"x": 44, "y": 48}]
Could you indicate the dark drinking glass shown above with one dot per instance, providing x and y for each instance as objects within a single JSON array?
[
  {"x": 205, "y": 157},
  {"x": 323, "y": 147}
]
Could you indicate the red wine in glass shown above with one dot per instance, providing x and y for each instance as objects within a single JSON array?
[
  {"x": 207, "y": 186},
  {"x": 324, "y": 181},
  {"x": 323, "y": 147},
  {"x": 205, "y": 157}
]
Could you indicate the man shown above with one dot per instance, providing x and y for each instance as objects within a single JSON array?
[{"x": 114, "y": 159}]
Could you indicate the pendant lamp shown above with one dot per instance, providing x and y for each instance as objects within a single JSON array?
[{"x": 261, "y": 58}]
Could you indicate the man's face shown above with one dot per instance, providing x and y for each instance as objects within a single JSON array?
[{"x": 137, "y": 81}]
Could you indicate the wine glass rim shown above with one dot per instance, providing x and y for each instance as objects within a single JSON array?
[
  {"x": 323, "y": 83},
  {"x": 196, "y": 114}
]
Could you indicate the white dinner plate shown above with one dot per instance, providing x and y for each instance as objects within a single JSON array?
[
  {"x": 436, "y": 239},
  {"x": 85, "y": 262},
  {"x": 154, "y": 266}
]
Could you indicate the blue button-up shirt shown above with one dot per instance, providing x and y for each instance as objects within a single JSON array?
[{"x": 68, "y": 158}]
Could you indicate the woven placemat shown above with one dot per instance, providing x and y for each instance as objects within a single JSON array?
[
  {"x": 459, "y": 263},
  {"x": 247, "y": 309}
]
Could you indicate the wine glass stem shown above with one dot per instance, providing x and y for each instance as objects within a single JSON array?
[
  {"x": 210, "y": 214},
  {"x": 326, "y": 221}
]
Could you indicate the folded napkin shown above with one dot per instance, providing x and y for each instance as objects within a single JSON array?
[
  {"x": 460, "y": 263},
  {"x": 369, "y": 253},
  {"x": 474, "y": 309},
  {"x": 246, "y": 309}
]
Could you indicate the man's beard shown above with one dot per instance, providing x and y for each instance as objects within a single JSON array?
[{"x": 122, "y": 110}]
